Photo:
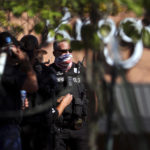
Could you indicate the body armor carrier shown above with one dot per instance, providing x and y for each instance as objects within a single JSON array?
[{"x": 71, "y": 82}]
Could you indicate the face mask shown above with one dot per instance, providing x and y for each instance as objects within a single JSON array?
[{"x": 64, "y": 62}]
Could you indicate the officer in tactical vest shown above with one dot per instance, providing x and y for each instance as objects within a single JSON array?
[{"x": 71, "y": 127}]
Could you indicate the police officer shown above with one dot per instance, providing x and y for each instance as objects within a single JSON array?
[
  {"x": 71, "y": 127},
  {"x": 36, "y": 129},
  {"x": 18, "y": 75}
]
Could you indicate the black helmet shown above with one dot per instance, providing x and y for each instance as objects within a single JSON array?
[{"x": 29, "y": 43}]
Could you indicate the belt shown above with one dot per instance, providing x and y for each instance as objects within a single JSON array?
[{"x": 75, "y": 125}]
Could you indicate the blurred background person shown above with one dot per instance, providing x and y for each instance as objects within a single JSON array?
[{"x": 18, "y": 75}]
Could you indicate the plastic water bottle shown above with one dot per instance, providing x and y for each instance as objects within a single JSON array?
[
  {"x": 3, "y": 57},
  {"x": 23, "y": 94}
]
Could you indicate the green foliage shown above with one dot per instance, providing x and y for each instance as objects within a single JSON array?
[
  {"x": 135, "y": 6},
  {"x": 97, "y": 43},
  {"x": 63, "y": 3},
  {"x": 53, "y": 11},
  {"x": 66, "y": 27},
  {"x": 59, "y": 37},
  {"x": 54, "y": 16},
  {"x": 90, "y": 37},
  {"x": 39, "y": 27},
  {"x": 3, "y": 21},
  {"x": 16, "y": 29},
  {"x": 45, "y": 13},
  {"x": 51, "y": 33},
  {"x": 146, "y": 38},
  {"x": 31, "y": 13},
  {"x": 18, "y": 10},
  {"x": 131, "y": 31},
  {"x": 104, "y": 30},
  {"x": 12, "y": 4},
  {"x": 117, "y": 7}
]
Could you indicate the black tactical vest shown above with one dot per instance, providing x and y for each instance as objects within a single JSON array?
[{"x": 71, "y": 82}]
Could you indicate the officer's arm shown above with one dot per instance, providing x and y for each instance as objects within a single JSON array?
[{"x": 64, "y": 103}]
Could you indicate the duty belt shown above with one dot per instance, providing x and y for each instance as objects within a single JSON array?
[{"x": 75, "y": 125}]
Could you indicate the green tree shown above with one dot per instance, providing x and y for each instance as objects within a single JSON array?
[{"x": 52, "y": 11}]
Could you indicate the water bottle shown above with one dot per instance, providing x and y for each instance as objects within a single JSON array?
[
  {"x": 3, "y": 57},
  {"x": 23, "y": 94}
]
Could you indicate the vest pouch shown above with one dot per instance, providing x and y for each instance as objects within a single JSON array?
[
  {"x": 78, "y": 124},
  {"x": 78, "y": 107}
]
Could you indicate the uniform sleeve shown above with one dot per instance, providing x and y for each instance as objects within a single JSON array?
[{"x": 52, "y": 115}]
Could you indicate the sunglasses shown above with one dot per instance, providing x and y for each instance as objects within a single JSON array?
[{"x": 64, "y": 50}]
